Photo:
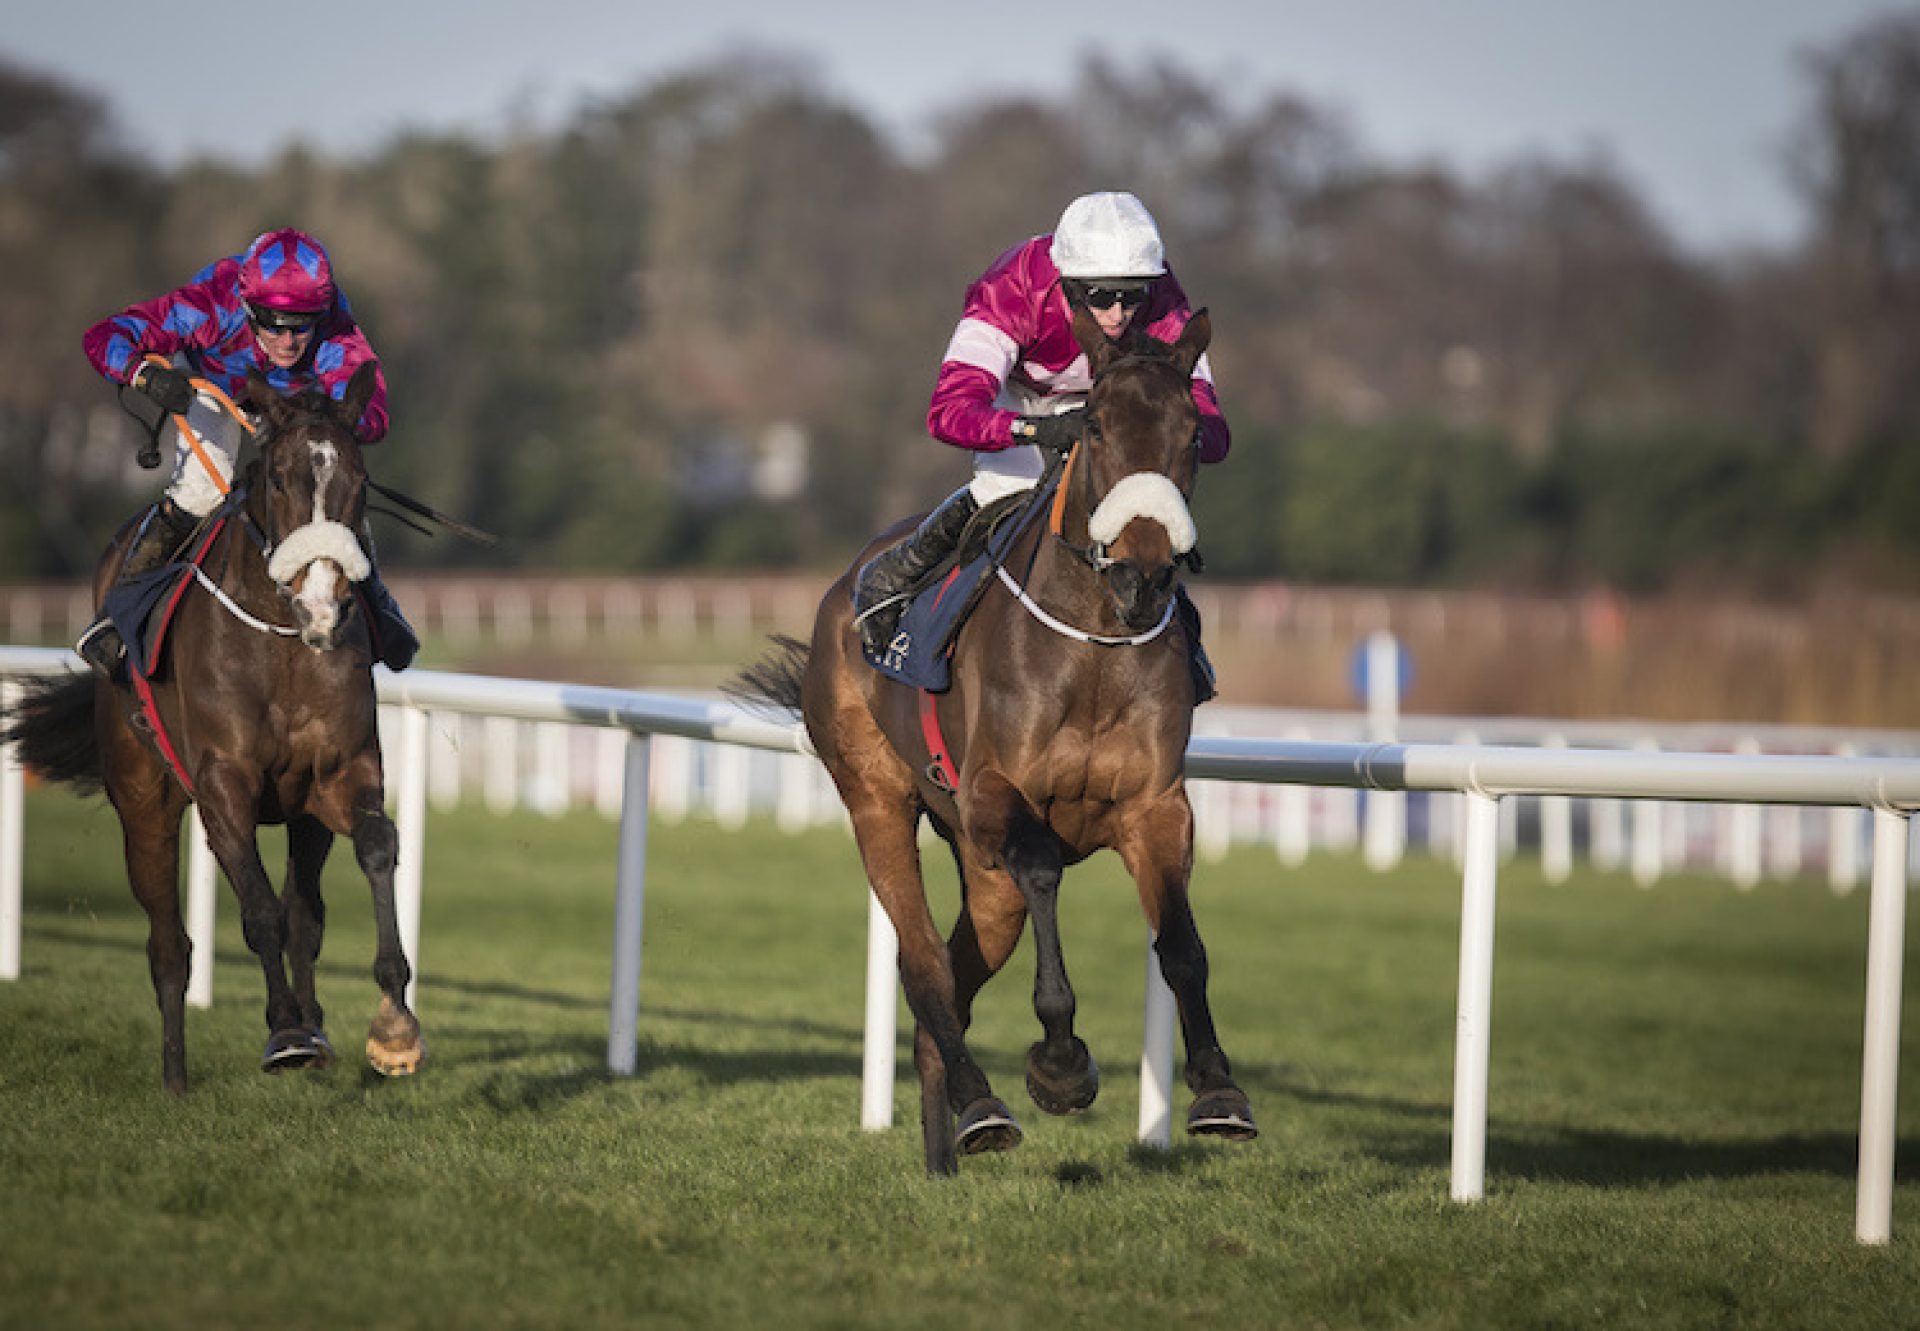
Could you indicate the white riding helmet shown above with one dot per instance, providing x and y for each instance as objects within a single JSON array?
[{"x": 1110, "y": 234}]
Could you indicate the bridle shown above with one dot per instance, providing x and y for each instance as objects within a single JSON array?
[{"x": 1095, "y": 552}]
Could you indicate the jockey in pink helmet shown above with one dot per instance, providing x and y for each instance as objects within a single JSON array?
[
  {"x": 1013, "y": 384},
  {"x": 287, "y": 270},
  {"x": 273, "y": 308}
]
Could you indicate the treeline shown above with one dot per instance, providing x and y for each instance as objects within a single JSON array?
[{"x": 697, "y": 326}]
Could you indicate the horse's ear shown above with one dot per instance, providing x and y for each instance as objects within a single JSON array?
[
  {"x": 1101, "y": 350},
  {"x": 353, "y": 403},
  {"x": 1193, "y": 340},
  {"x": 267, "y": 401}
]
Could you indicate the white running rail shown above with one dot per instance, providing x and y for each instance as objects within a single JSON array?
[{"x": 1483, "y": 774}]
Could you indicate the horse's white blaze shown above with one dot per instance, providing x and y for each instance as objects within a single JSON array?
[
  {"x": 325, "y": 549},
  {"x": 316, "y": 595},
  {"x": 325, "y": 458},
  {"x": 1145, "y": 494}
]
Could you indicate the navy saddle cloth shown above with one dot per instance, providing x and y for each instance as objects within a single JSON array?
[{"x": 920, "y": 652}]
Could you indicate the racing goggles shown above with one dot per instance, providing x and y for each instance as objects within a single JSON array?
[
  {"x": 1102, "y": 298},
  {"x": 266, "y": 319}
]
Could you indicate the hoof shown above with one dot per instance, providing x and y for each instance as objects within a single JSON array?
[
  {"x": 296, "y": 1049},
  {"x": 1069, "y": 1092},
  {"x": 986, "y": 1125},
  {"x": 396, "y": 1059},
  {"x": 1224, "y": 1113}
]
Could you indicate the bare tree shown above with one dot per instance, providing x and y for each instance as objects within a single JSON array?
[{"x": 1858, "y": 165}]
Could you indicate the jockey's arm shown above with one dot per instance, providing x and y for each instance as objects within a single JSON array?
[
  {"x": 187, "y": 319},
  {"x": 962, "y": 412}
]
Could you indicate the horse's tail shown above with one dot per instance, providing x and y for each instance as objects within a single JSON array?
[
  {"x": 53, "y": 724},
  {"x": 774, "y": 680}
]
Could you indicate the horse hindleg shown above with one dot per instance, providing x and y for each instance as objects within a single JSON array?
[
  {"x": 228, "y": 797},
  {"x": 1062, "y": 1077},
  {"x": 150, "y": 806},
  {"x": 308, "y": 842},
  {"x": 394, "y": 1046},
  {"x": 1158, "y": 851}
]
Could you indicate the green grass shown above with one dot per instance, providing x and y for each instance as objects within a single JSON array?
[{"x": 1674, "y": 1086}]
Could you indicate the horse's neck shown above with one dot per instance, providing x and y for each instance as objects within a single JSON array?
[
  {"x": 1065, "y": 584},
  {"x": 238, "y": 564}
]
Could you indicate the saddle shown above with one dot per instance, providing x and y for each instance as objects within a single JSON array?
[
  {"x": 920, "y": 653},
  {"x": 142, "y": 607}
]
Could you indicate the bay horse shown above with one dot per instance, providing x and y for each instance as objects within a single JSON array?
[
  {"x": 258, "y": 721},
  {"x": 1066, "y": 726}
]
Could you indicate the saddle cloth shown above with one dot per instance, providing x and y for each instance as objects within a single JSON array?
[
  {"x": 142, "y": 606},
  {"x": 921, "y": 649}
]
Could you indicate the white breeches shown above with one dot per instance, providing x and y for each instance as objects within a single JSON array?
[
  {"x": 220, "y": 435},
  {"x": 1011, "y": 470}
]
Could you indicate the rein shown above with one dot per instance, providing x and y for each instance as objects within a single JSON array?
[
  {"x": 150, "y": 454},
  {"x": 234, "y": 608},
  {"x": 1066, "y": 630}
]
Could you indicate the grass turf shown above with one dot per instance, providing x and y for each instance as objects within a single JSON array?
[{"x": 1674, "y": 1093}]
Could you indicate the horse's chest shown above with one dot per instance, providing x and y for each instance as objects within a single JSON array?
[{"x": 1106, "y": 768}]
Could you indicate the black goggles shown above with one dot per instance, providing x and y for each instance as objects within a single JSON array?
[
  {"x": 1103, "y": 298},
  {"x": 268, "y": 320}
]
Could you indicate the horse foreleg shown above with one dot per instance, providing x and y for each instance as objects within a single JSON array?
[
  {"x": 308, "y": 843},
  {"x": 951, "y": 1083},
  {"x": 394, "y": 1046},
  {"x": 1157, "y": 847},
  {"x": 1006, "y": 844},
  {"x": 150, "y": 806},
  {"x": 228, "y": 797}
]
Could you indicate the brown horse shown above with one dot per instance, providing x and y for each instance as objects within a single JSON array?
[
  {"x": 1061, "y": 746},
  {"x": 266, "y": 721}
]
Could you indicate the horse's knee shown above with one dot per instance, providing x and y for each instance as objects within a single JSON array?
[
  {"x": 376, "y": 843},
  {"x": 263, "y": 925},
  {"x": 1183, "y": 959},
  {"x": 170, "y": 962}
]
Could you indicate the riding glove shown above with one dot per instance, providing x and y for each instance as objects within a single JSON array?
[
  {"x": 1056, "y": 434},
  {"x": 166, "y": 386}
]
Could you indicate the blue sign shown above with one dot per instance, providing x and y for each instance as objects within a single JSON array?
[{"x": 1359, "y": 670}]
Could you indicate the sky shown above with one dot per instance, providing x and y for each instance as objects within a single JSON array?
[{"x": 1693, "y": 101}]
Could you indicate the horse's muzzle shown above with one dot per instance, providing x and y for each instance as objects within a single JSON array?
[
  {"x": 1139, "y": 596},
  {"x": 322, "y": 603}
]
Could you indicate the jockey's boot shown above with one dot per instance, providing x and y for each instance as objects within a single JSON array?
[
  {"x": 398, "y": 643},
  {"x": 1203, "y": 676},
  {"x": 162, "y": 532},
  {"x": 880, "y": 592}
]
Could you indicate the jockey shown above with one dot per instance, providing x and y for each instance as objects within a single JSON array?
[
  {"x": 273, "y": 308},
  {"x": 1013, "y": 385}
]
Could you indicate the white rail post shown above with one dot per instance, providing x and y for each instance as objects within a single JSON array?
[
  {"x": 1385, "y": 834},
  {"x": 552, "y": 767},
  {"x": 410, "y": 818},
  {"x": 13, "y": 843},
  {"x": 444, "y": 764},
  {"x": 203, "y": 890},
  {"x": 629, "y": 902},
  {"x": 1843, "y": 840},
  {"x": 1880, "y": 1056},
  {"x": 876, "y": 1051},
  {"x": 1556, "y": 828},
  {"x": 1473, "y": 1019},
  {"x": 1156, "y": 1057}
]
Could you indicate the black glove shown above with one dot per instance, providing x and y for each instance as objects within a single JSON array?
[
  {"x": 166, "y": 386},
  {"x": 1056, "y": 434}
]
